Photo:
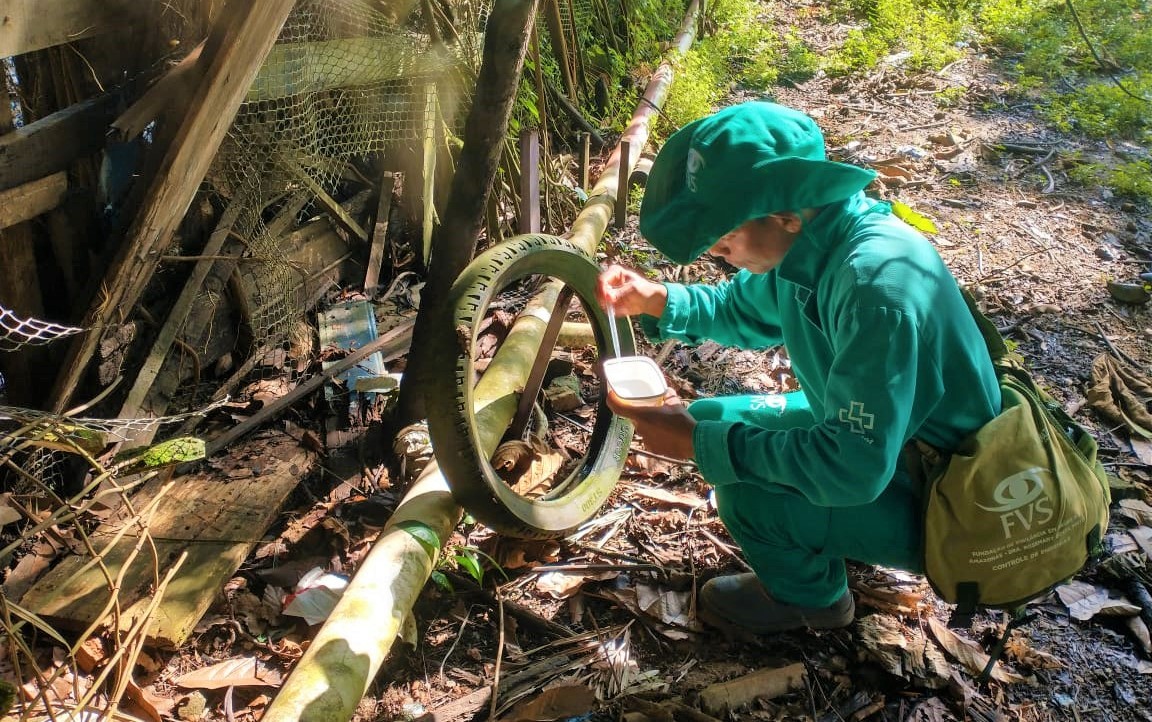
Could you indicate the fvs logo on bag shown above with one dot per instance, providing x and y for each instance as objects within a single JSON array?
[{"x": 1022, "y": 500}]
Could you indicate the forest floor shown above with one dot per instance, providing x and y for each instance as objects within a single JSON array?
[{"x": 601, "y": 625}]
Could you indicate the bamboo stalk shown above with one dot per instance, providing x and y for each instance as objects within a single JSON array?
[{"x": 349, "y": 649}]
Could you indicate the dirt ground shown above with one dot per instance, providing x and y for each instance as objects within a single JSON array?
[{"x": 608, "y": 612}]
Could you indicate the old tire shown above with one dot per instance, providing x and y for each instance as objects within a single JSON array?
[{"x": 450, "y": 404}]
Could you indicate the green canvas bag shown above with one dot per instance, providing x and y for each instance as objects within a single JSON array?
[{"x": 1020, "y": 506}]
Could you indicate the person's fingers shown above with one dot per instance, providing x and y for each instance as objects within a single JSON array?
[
  {"x": 671, "y": 398},
  {"x": 614, "y": 403},
  {"x": 608, "y": 284}
]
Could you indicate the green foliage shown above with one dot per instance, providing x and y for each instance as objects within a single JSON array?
[
  {"x": 1103, "y": 110},
  {"x": 951, "y": 97},
  {"x": 1132, "y": 179},
  {"x": 743, "y": 50},
  {"x": 796, "y": 62},
  {"x": 930, "y": 32},
  {"x": 1047, "y": 49},
  {"x": 696, "y": 87},
  {"x": 468, "y": 558}
]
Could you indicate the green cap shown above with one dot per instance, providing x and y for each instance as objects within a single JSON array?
[{"x": 745, "y": 162}]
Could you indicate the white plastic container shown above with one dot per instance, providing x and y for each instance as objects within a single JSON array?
[{"x": 635, "y": 380}]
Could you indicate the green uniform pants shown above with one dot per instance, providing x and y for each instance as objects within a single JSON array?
[{"x": 796, "y": 548}]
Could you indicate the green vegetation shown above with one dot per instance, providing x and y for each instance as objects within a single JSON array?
[
  {"x": 744, "y": 50},
  {"x": 1100, "y": 90},
  {"x": 468, "y": 558},
  {"x": 930, "y": 32},
  {"x": 1103, "y": 90},
  {"x": 1132, "y": 179}
]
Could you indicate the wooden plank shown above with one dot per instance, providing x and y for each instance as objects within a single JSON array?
[
  {"x": 379, "y": 233},
  {"x": 241, "y": 40},
  {"x": 54, "y": 142},
  {"x": 27, "y": 25},
  {"x": 327, "y": 202},
  {"x": 217, "y": 516},
  {"x": 23, "y": 203},
  {"x": 529, "y": 181}
]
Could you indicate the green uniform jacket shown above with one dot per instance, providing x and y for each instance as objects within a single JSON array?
[{"x": 881, "y": 342}]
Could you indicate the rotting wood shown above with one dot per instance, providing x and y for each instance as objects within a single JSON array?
[
  {"x": 347, "y": 652},
  {"x": 23, "y": 203},
  {"x": 54, "y": 142},
  {"x": 246, "y": 32},
  {"x": 398, "y": 337},
  {"x": 379, "y": 232},
  {"x": 725, "y": 697},
  {"x": 27, "y": 25},
  {"x": 216, "y": 517}
]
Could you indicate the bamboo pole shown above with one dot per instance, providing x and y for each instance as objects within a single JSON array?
[{"x": 349, "y": 649}]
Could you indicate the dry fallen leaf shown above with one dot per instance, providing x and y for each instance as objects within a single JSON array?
[
  {"x": 1085, "y": 601},
  {"x": 1018, "y": 648},
  {"x": 239, "y": 672},
  {"x": 1136, "y": 510},
  {"x": 970, "y": 655},
  {"x": 563, "y": 702}
]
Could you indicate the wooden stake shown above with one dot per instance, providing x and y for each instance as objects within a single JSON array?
[
  {"x": 247, "y": 31},
  {"x": 529, "y": 181},
  {"x": 621, "y": 214},
  {"x": 379, "y": 233}
]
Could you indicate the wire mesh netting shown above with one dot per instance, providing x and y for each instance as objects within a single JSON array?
[
  {"x": 342, "y": 83},
  {"x": 17, "y": 332}
]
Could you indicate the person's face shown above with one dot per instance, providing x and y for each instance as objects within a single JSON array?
[{"x": 760, "y": 244}]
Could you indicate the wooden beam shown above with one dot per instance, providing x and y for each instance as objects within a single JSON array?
[
  {"x": 246, "y": 32},
  {"x": 25, "y": 202},
  {"x": 27, "y": 25},
  {"x": 228, "y": 512},
  {"x": 54, "y": 142},
  {"x": 379, "y": 232}
]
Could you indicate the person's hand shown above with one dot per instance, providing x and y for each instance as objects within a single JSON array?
[
  {"x": 629, "y": 293},
  {"x": 666, "y": 429}
]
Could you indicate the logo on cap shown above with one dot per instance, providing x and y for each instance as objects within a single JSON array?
[{"x": 695, "y": 164}]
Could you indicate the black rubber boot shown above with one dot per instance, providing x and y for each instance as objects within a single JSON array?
[{"x": 741, "y": 603}]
